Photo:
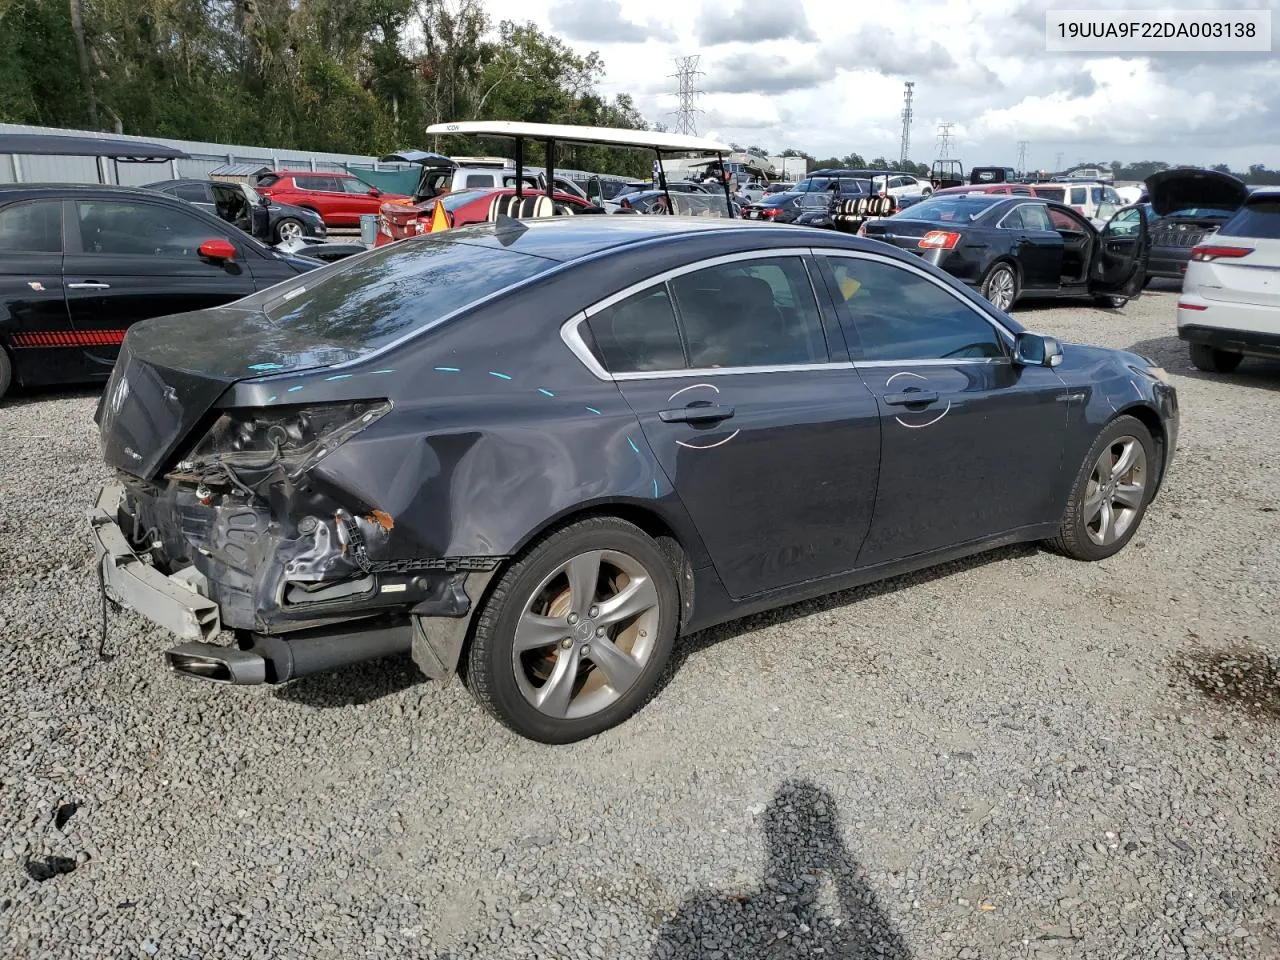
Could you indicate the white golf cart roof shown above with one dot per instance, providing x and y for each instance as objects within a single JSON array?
[{"x": 569, "y": 133}]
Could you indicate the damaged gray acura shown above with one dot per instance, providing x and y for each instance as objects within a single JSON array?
[{"x": 536, "y": 453}]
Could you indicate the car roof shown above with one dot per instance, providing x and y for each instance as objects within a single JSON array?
[
  {"x": 313, "y": 173},
  {"x": 567, "y": 239},
  {"x": 15, "y": 189}
]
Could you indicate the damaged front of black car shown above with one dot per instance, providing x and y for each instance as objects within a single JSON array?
[{"x": 265, "y": 486}]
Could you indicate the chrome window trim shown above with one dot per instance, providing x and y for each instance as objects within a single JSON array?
[
  {"x": 571, "y": 334},
  {"x": 912, "y": 268}
]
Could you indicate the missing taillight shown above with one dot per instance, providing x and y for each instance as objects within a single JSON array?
[
  {"x": 259, "y": 440},
  {"x": 1209, "y": 252},
  {"x": 939, "y": 240}
]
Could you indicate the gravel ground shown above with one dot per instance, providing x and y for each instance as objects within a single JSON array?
[{"x": 1015, "y": 756}]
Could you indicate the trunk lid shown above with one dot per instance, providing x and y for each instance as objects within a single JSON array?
[
  {"x": 172, "y": 371},
  {"x": 900, "y": 232},
  {"x": 1254, "y": 279},
  {"x": 1172, "y": 190}
]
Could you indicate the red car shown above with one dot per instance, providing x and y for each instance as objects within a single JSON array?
[
  {"x": 339, "y": 198},
  {"x": 464, "y": 207}
]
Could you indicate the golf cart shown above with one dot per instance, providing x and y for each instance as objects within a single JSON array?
[
  {"x": 525, "y": 202},
  {"x": 946, "y": 173}
]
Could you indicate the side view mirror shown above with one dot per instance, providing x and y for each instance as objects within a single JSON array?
[
  {"x": 374, "y": 192},
  {"x": 218, "y": 250},
  {"x": 1035, "y": 350}
]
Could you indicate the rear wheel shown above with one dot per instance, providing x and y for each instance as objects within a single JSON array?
[
  {"x": 576, "y": 632},
  {"x": 1000, "y": 286},
  {"x": 1111, "y": 492},
  {"x": 1110, "y": 302},
  {"x": 6, "y": 373},
  {"x": 1212, "y": 360}
]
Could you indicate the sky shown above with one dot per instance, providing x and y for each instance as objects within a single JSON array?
[{"x": 827, "y": 77}]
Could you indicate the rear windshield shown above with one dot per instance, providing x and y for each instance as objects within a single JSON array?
[
  {"x": 380, "y": 296},
  {"x": 1049, "y": 193},
  {"x": 950, "y": 209},
  {"x": 268, "y": 180},
  {"x": 1257, "y": 218}
]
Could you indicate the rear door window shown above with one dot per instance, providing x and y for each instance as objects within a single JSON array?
[
  {"x": 31, "y": 226},
  {"x": 1079, "y": 195},
  {"x": 1035, "y": 216},
  {"x": 193, "y": 192},
  {"x": 1258, "y": 218},
  {"x": 638, "y": 334},
  {"x": 479, "y": 180},
  {"x": 749, "y": 314}
]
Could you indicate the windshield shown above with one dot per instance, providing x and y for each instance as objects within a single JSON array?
[
  {"x": 458, "y": 198},
  {"x": 950, "y": 209},
  {"x": 377, "y": 297},
  {"x": 1191, "y": 212}
]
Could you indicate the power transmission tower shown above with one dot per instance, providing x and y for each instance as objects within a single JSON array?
[
  {"x": 687, "y": 73},
  {"x": 1057, "y": 163},
  {"x": 944, "y": 141},
  {"x": 906, "y": 122},
  {"x": 1022, "y": 155}
]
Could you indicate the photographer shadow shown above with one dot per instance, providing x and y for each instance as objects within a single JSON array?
[{"x": 791, "y": 914}]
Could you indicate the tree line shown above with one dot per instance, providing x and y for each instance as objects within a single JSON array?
[{"x": 342, "y": 76}]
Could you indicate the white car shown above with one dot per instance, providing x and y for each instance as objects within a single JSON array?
[
  {"x": 1230, "y": 303},
  {"x": 904, "y": 186}
]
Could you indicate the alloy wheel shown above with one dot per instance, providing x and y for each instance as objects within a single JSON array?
[
  {"x": 290, "y": 230},
  {"x": 1000, "y": 289},
  {"x": 586, "y": 634},
  {"x": 1116, "y": 491}
]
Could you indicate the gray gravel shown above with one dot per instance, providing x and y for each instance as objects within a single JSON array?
[{"x": 1018, "y": 756}]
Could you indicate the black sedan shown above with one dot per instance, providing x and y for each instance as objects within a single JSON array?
[
  {"x": 240, "y": 204},
  {"x": 788, "y": 207},
  {"x": 78, "y": 265},
  {"x": 540, "y": 452},
  {"x": 1009, "y": 247}
]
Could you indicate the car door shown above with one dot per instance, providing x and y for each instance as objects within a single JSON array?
[
  {"x": 128, "y": 259},
  {"x": 769, "y": 436},
  {"x": 195, "y": 193},
  {"x": 1036, "y": 244},
  {"x": 358, "y": 198},
  {"x": 971, "y": 444},
  {"x": 231, "y": 205},
  {"x": 325, "y": 195},
  {"x": 35, "y": 327},
  {"x": 1119, "y": 263}
]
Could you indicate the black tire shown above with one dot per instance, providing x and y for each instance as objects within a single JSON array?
[
  {"x": 1074, "y": 539},
  {"x": 1109, "y": 302},
  {"x": 994, "y": 282},
  {"x": 1212, "y": 360},
  {"x": 290, "y": 222},
  {"x": 489, "y": 668},
  {"x": 6, "y": 373}
]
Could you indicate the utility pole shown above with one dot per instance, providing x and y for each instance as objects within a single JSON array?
[
  {"x": 687, "y": 73},
  {"x": 906, "y": 122},
  {"x": 944, "y": 141},
  {"x": 1022, "y": 156}
]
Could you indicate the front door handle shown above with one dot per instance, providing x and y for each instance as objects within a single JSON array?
[
  {"x": 89, "y": 285},
  {"x": 910, "y": 397},
  {"x": 697, "y": 413}
]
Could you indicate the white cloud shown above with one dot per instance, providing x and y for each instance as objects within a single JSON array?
[{"x": 819, "y": 76}]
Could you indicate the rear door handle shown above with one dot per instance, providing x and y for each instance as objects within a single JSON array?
[
  {"x": 701, "y": 413},
  {"x": 89, "y": 285},
  {"x": 910, "y": 397}
]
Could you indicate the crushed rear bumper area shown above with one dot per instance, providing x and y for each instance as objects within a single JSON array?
[{"x": 164, "y": 558}]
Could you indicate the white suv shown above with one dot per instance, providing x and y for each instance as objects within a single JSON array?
[{"x": 1230, "y": 303}]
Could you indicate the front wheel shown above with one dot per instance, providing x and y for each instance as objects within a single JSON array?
[
  {"x": 1111, "y": 492},
  {"x": 1000, "y": 286},
  {"x": 576, "y": 632},
  {"x": 288, "y": 229},
  {"x": 1212, "y": 360}
]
